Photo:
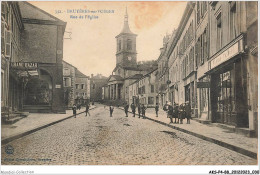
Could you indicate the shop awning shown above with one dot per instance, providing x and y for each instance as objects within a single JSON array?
[{"x": 28, "y": 73}]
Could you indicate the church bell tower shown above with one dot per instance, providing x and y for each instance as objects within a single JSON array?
[{"x": 126, "y": 46}]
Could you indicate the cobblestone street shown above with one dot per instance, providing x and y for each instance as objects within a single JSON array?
[{"x": 100, "y": 139}]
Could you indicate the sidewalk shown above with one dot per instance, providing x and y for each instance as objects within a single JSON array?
[
  {"x": 32, "y": 123},
  {"x": 210, "y": 132}
]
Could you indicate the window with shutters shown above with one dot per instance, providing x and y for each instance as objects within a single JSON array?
[
  {"x": 67, "y": 82},
  {"x": 152, "y": 88},
  {"x": 187, "y": 65},
  {"x": 233, "y": 20},
  {"x": 205, "y": 45},
  {"x": 219, "y": 32},
  {"x": 198, "y": 12}
]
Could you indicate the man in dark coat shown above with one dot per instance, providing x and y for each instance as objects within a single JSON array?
[
  {"x": 156, "y": 109},
  {"x": 170, "y": 112},
  {"x": 111, "y": 109},
  {"x": 143, "y": 111},
  {"x": 176, "y": 112},
  {"x": 87, "y": 109},
  {"x": 139, "y": 110},
  {"x": 126, "y": 109},
  {"x": 188, "y": 111},
  {"x": 133, "y": 109},
  {"x": 74, "y": 109},
  {"x": 165, "y": 108}
]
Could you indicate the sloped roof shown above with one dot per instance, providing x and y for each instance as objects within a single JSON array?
[
  {"x": 115, "y": 78},
  {"x": 29, "y": 11},
  {"x": 136, "y": 76},
  {"x": 80, "y": 74},
  {"x": 68, "y": 64}
]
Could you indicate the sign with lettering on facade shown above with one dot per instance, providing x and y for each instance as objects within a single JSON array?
[
  {"x": 28, "y": 65},
  {"x": 227, "y": 54}
]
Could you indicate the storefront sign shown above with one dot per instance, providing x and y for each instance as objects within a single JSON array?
[
  {"x": 28, "y": 65},
  {"x": 226, "y": 55},
  {"x": 203, "y": 84},
  {"x": 58, "y": 86}
]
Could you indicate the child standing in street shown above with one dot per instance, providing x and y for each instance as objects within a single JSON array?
[
  {"x": 126, "y": 109},
  {"x": 133, "y": 109},
  {"x": 87, "y": 109},
  {"x": 139, "y": 110},
  {"x": 143, "y": 111},
  {"x": 111, "y": 109},
  {"x": 156, "y": 109}
]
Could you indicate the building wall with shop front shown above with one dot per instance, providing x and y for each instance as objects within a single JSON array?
[
  {"x": 44, "y": 44},
  {"x": 229, "y": 45}
]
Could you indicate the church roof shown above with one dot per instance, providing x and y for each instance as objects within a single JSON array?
[
  {"x": 115, "y": 78},
  {"x": 126, "y": 28},
  {"x": 136, "y": 76}
]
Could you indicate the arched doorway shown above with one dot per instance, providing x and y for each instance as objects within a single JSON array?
[{"x": 38, "y": 90}]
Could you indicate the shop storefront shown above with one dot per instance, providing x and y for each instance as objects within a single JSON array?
[
  {"x": 190, "y": 94},
  {"x": 228, "y": 87},
  {"x": 38, "y": 92},
  {"x": 204, "y": 94}
]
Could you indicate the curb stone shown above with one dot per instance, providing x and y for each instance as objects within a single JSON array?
[{"x": 12, "y": 138}]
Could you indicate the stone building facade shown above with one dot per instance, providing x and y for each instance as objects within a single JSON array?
[
  {"x": 213, "y": 63},
  {"x": 33, "y": 53},
  {"x": 96, "y": 84}
]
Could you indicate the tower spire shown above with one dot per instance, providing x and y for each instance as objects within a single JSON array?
[
  {"x": 126, "y": 28},
  {"x": 126, "y": 15}
]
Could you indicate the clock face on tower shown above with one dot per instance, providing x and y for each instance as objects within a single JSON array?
[{"x": 129, "y": 58}]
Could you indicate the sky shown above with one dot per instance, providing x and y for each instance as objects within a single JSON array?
[{"x": 92, "y": 46}]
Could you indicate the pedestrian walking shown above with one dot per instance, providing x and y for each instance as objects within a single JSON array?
[
  {"x": 126, "y": 109},
  {"x": 111, "y": 109},
  {"x": 156, "y": 109},
  {"x": 143, "y": 111},
  {"x": 176, "y": 112},
  {"x": 87, "y": 109},
  {"x": 139, "y": 110},
  {"x": 188, "y": 111},
  {"x": 182, "y": 113},
  {"x": 165, "y": 108},
  {"x": 133, "y": 109},
  {"x": 170, "y": 112},
  {"x": 74, "y": 109}
]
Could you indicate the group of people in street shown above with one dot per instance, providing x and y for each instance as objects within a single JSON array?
[
  {"x": 179, "y": 112},
  {"x": 74, "y": 109},
  {"x": 141, "y": 108}
]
